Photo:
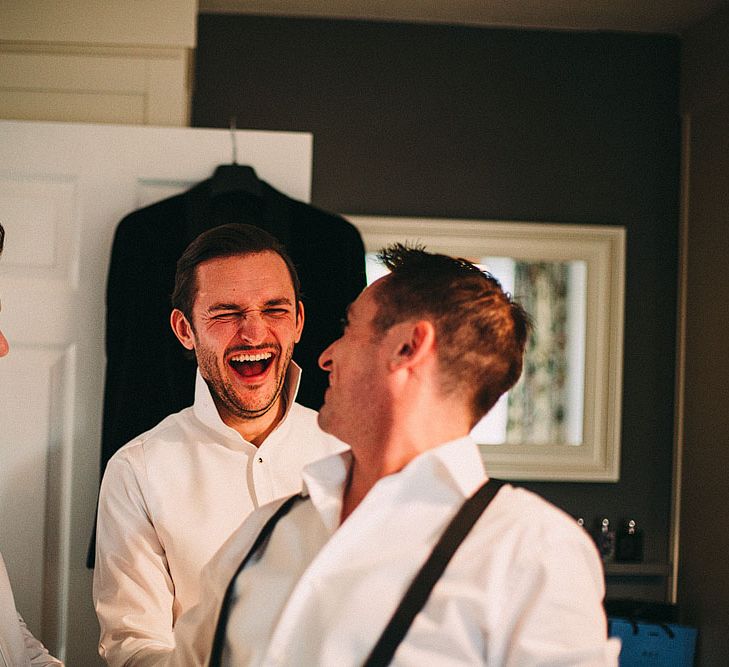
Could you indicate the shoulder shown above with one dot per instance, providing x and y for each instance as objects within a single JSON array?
[
  {"x": 172, "y": 428},
  {"x": 531, "y": 511},
  {"x": 535, "y": 551},
  {"x": 542, "y": 580},
  {"x": 166, "y": 439},
  {"x": 528, "y": 519}
]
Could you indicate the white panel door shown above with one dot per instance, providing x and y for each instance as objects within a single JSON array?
[{"x": 63, "y": 189}]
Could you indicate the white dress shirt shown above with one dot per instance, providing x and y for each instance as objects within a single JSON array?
[
  {"x": 170, "y": 498},
  {"x": 18, "y": 647},
  {"x": 525, "y": 587}
]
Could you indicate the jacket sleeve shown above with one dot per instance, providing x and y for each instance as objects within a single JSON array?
[{"x": 133, "y": 590}]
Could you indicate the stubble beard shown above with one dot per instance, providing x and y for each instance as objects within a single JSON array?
[{"x": 223, "y": 392}]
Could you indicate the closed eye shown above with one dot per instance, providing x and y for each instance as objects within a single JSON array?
[{"x": 224, "y": 317}]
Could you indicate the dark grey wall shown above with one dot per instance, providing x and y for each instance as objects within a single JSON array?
[{"x": 440, "y": 121}]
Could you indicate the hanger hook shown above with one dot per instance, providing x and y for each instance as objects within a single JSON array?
[{"x": 232, "y": 140}]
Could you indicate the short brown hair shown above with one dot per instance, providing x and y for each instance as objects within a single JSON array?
[
  {"x": 224, "y": 241},
  {"x": 480, "y": 331}
]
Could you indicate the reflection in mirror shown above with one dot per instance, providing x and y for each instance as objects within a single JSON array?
[
  {"x": 561, "y": 421},
  {"x": 545, "y": 406}
]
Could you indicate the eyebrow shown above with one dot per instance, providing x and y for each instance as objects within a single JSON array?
[{"x": 283, "y": 301}]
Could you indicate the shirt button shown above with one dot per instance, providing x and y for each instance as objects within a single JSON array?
[{"x": 260, "y": 460}]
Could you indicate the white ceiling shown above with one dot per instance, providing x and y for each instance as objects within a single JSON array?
[{"x": 650, "y": 16}]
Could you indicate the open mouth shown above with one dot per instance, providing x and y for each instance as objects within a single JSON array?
[{"x": 251, "y": 364}]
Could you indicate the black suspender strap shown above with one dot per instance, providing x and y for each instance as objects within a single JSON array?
[
  {"x": 417, "y": 594},
  {"x": 216, "y": 653}
]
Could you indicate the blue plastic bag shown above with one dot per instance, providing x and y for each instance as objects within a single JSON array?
[{"x": 654, "y": 644}]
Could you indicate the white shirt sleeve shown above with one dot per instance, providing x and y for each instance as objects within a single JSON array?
[
  {"x": 133, "y": 590},
  {"x": 195, "y": 630},
  {"x": 561, "y": 621},
  {"x": 34, "y": 649},
  {"x": 17, "y": 644}
]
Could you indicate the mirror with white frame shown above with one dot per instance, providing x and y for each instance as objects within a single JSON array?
[{"x": 561, "y": 421}]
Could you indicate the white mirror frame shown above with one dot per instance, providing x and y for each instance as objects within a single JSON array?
[{"x": 602, "y": 248}]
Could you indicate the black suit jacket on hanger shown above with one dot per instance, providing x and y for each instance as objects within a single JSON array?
[{"x": 148, "y": 376}]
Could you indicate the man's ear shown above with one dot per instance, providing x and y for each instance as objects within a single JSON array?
[
  {"x": 299, "y": 320},
  {"x": 183, "y": 329},
  {"x": 415, "y": 341}
]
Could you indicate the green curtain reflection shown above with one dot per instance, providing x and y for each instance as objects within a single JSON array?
[{"x": 536, "y": 405}]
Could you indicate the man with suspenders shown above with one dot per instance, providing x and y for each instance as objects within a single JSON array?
[{"x": 390, "y": 554}]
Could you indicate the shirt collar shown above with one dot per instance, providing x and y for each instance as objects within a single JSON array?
[
  {"x": 459, "y": 459},
  {"x": 205, "y": 410},
  {"x": 323, "y": 481}
]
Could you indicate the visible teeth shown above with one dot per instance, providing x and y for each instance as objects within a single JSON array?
[{"x": 252, "y": 357}]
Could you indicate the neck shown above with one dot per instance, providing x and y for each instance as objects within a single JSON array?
[
  {"x": 373, "y": 459},
  {"x": 256, "y": 429}
]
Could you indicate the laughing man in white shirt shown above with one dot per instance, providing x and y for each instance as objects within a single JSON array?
[
  {"x": 426, "y": 352},
  {"x": 173, "y": 495}
]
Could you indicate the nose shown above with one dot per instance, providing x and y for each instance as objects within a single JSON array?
[
  {"x": 252, "y": 329},
  {"x": 325, "y": 358},
  {"x": 4, "y": 347}
]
